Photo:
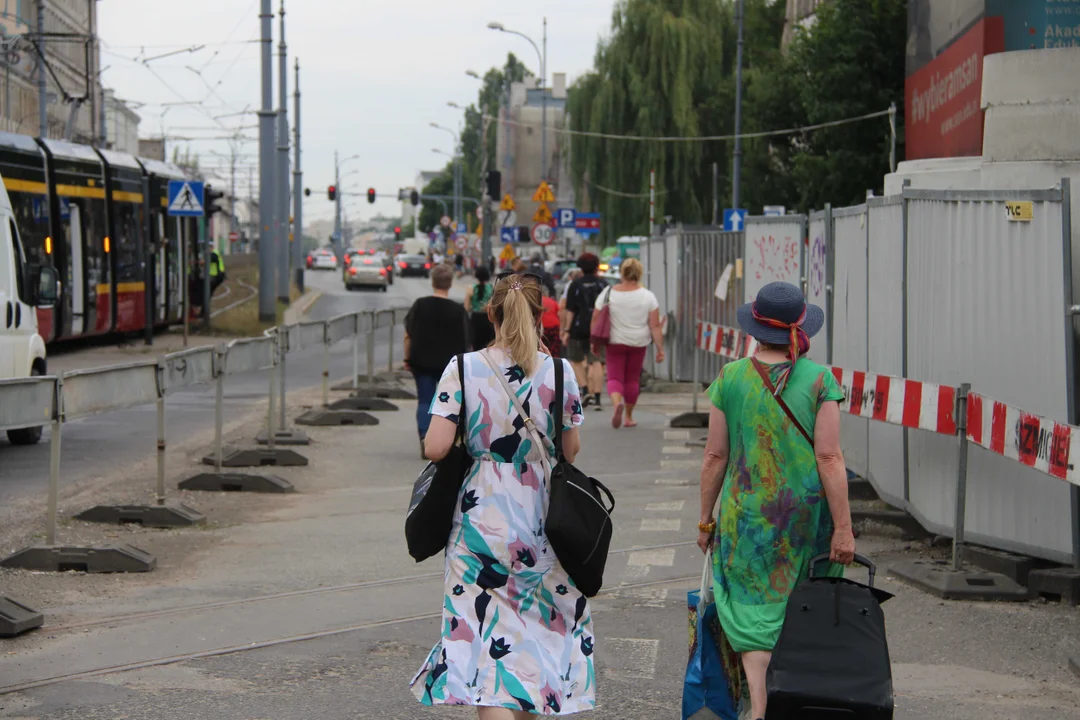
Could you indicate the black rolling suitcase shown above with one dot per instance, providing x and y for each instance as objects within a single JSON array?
[{"x": 832, "y": 661}]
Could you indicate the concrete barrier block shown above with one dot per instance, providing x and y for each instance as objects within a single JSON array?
[
  {"x": 102, "y": 559},
  {"x": 1061, "y": 584},
  {"x": 938, "y": 578},
  {"x": 16, "y": 618},
  {"x": 237, "y": 482},
  {"x": 151, "y": 516}
]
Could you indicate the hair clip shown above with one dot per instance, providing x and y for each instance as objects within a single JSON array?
[{"x": 516, "y": 285}]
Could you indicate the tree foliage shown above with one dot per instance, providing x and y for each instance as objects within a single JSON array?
[{"x": 667, "y": 69}]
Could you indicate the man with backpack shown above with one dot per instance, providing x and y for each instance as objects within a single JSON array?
[{"x": 580, "y": 301}]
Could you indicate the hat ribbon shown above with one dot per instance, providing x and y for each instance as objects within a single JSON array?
[{"x": 799, "y": 345}]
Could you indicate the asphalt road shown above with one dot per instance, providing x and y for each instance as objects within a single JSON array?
[{"x": 93, "y": 446}]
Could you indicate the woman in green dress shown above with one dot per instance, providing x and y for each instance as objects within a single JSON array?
[{"x": 779, "y": 475}]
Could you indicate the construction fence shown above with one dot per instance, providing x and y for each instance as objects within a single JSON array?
[{"x": 926, "y": 294}]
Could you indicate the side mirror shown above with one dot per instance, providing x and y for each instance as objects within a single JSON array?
[{"x": 46, "y": 287}]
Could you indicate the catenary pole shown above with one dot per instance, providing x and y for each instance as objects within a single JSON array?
[
  {"x": 43, "y": 111},
  {"x": 337, "y": 207},
  {"x": 736, "y": 163},
  {"x": 283, "y": 167},
  {"x": 543, "y": 108},
  {"x": 267, "y": 302},
  {"x": 298, "y": 192}
]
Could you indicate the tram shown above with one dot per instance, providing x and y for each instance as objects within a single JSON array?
[{"x": 100, "y": 219}]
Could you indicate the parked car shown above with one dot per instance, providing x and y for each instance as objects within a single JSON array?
[
  {"x": 324, "y": 259},
  {"x": 365, "y": 271},
  {"x": 413, "y": 265}
]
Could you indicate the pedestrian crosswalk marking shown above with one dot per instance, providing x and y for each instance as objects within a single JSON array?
[
  {"x": 631, "y": 657},
  {"x": 661, "y": 525},
  {"x": 679, "y": 464},
  {"x": 644, "y": 597},
  {"x": 676, "y": 450},
  {"x": 671, "y": 506},
  {"x": 674, "y": 482},
  {"x": 676, "y": 434},
  {"x": 664, "y": 557}
]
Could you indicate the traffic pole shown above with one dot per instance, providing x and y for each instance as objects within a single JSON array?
[
  {"x": 297, "y": 235},
  {"x": 204, "y": 243},
  {"x": 282, "y": 178},
  {"x": 267, "y": 301}
]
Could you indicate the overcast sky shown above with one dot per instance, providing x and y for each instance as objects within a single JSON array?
[{"x": 374, "y": 74}]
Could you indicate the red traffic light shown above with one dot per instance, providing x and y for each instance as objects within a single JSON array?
[
  {"x": 371, "y": 195},
  {"x": 331, "y": 192}
]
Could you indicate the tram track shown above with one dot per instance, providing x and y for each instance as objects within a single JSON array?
[{"x": 289, "y": 639}]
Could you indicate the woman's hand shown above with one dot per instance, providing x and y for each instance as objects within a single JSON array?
[
  {"x": 660, "y": 354},
  {"x": 704, "y": 540},
  {"x": 843, "y": 546}
]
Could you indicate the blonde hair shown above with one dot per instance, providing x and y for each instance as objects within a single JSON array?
[
  {"x": 632, "y": 270},
  {"x": 517, "y": 315}
]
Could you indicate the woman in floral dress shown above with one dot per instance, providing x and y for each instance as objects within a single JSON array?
[{"x": 517, "y": 636}]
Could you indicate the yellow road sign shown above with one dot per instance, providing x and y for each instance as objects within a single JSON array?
[
  {"x": 507, "y": 253},
  {"x": 1021, "y": 210},
  {"x": 507, "y": 203},
  {"x": 543, "y": 193},
  {"x": 543, "y": 215}
]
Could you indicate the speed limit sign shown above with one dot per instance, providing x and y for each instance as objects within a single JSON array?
[{"x": 542, "y": 234}]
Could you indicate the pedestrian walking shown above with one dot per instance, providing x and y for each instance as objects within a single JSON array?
[
  {"x": 635, "y": 320},
  {"x": 477, "y": 298},
  {"x": 773, "y": 458},
  {"x": 551, "y": 324},
  {"x": 459, "y": 264},
  {"x": 580, "y": 301},
  {"x": 536, "y": 267},
  {"x": 436, "y": 329},
  {"x": 517, "y": 635}
]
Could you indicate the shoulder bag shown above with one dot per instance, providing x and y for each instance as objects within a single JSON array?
[
  {"x": 779, "y": 400},
  {"x": 430, "y": 516},
  {"x": 578, "y": 522},
  {"x": 600, "y": 331}
]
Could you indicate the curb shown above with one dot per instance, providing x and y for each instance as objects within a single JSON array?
[{"x": 299, "y": 308}]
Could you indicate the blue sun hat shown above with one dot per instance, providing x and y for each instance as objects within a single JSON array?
[{"x": 780, "y": 315}]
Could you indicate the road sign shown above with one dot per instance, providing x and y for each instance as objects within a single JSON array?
[
  {"x": 543, "y": 215},
  {"x": 462, "y": 242},
  {"x": 234, "y": 236},
  {"x": 507, "y": 217},
  {"x": 566, "y": 218},
  {"x": 734, "y": 219},
  {"x": 461, "y": 227},
  {"x": 507, "y": 203},
  {"x": 508, "y": 253},
  {"x": 508, "y": 234},
  {"x": 445, "y": 221},
  {"x": 543, "y": 193},
  {"x": 772, "y": 210},
  {"x": 587, "y": 223},
  {"x": 542, "y": 234},
  {"x": 185, "y": 198}
]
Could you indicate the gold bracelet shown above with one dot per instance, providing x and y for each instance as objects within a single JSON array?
[{"x": 707, "y": 527}]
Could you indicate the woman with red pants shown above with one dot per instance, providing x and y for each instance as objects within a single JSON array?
[{"x": 635, "y": 318}]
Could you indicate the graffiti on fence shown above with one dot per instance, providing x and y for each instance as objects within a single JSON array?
[
  {"x": 816, "y": 276},
  {"x": 774, "y": 258}
]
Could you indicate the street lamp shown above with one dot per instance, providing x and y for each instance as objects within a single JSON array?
[{"x": 543, "y": 88}]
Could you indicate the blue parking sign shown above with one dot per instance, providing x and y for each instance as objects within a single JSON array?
[{"x": 566, "y": 217}]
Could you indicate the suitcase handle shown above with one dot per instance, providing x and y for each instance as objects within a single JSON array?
[{"x": 859, "y": 560}]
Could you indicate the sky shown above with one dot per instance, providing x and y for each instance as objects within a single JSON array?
[{"x": 374, "y": 75}]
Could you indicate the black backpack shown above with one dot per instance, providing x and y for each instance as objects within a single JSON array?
[{"x": 590, "y": 289}]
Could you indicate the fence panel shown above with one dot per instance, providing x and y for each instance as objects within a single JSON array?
[
  {"x": 188, "y": 368},
  {"x": 311, "y": 333},
  {"x": 849, "y": 350},
  {"x": 249, "y": 355},
  {"x": 709, "y": 289},
  {"x": 985, "y": 303},
  {"x": 340, "y": 327},
  {"x": 656, "y": 279},
  {"x": 884, "y": 337},
  {"x": 96, "y": 390},
  {"x": 773, "y": 251},
  {"x": 817, "y": 279},
  {"x": 27, "y": 402}
]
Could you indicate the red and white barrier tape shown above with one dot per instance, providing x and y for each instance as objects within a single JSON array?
[
  {"x": 909, "y": 403},
  {"x": 1031, "y": 440},
  {"x": 724, "y": 341}
]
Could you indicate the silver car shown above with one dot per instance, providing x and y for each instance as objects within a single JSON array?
[{"x": 363, "y": 270}]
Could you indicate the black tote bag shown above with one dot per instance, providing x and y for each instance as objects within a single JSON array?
[
  {"x": 430, "y": 516},
  {"x": 578, "y": 521}
]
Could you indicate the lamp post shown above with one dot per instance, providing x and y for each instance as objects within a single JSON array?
[
  {"x": 338, "y": 245},
  {"x": 542, "y": 56},
  {"x": 457, "y": 172}
]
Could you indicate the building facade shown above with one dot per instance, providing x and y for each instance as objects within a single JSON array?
[{"x": 121, "y": 125}]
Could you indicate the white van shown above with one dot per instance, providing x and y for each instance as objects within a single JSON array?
[{"x": 22, "y": 290}]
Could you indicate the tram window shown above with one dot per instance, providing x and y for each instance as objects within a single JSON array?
[
  {"x": 91, "y": 215},
  {"x": 32, "y": 217},
  {"x": 126, "y": 245}
]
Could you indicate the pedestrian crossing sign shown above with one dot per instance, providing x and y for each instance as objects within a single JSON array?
[
  {"x": 543, "y": 215},
  {"x": 507, "y": 203},
  {"x": 185, "y": 198},
  {"x": 543, "y": 193}
]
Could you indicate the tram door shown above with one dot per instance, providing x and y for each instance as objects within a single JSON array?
[{"x": 76, "y": 274}]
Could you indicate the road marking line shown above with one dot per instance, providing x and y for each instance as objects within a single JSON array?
[
  {"x": 664, "y": 557},
  {"x": 675, "y": 482},
  {"x": 671, "y": 506},
  {"x": 661, "y": 525},
  {"x": 636, "y": 572},
  {"x": 646, "y": 597},
  {"x": 675, "y": 450},
  {"x": 680, "y": 464},
  {"x": 631, "y": 657},
  {"x": 676, "y": 434}
]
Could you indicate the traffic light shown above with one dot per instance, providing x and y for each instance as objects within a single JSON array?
[
  {"x": 397, "y": 234},
  {"x": 331, "y": 192},
  {"x": 307, "y": 192},
  {"x": 371, "y": 195},
  {"x": 210, "y": 201},
  {"x": 414, "y": 198},
  {"x": 494, "y": 184}
]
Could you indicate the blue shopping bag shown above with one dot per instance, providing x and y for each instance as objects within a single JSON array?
[{"x": 713, "y": 682}]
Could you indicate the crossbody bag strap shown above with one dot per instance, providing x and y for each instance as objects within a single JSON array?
[
  {"x": 558, "y": 407},
  {"x": 460, "y": 434},
  {"x": 529, "y": 424},
  {"x": 779, "y": 400}
]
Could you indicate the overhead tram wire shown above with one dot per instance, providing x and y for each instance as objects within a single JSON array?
[
  {"x": 239, "y": 23},
  {"x": 702, "y": 138}
]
